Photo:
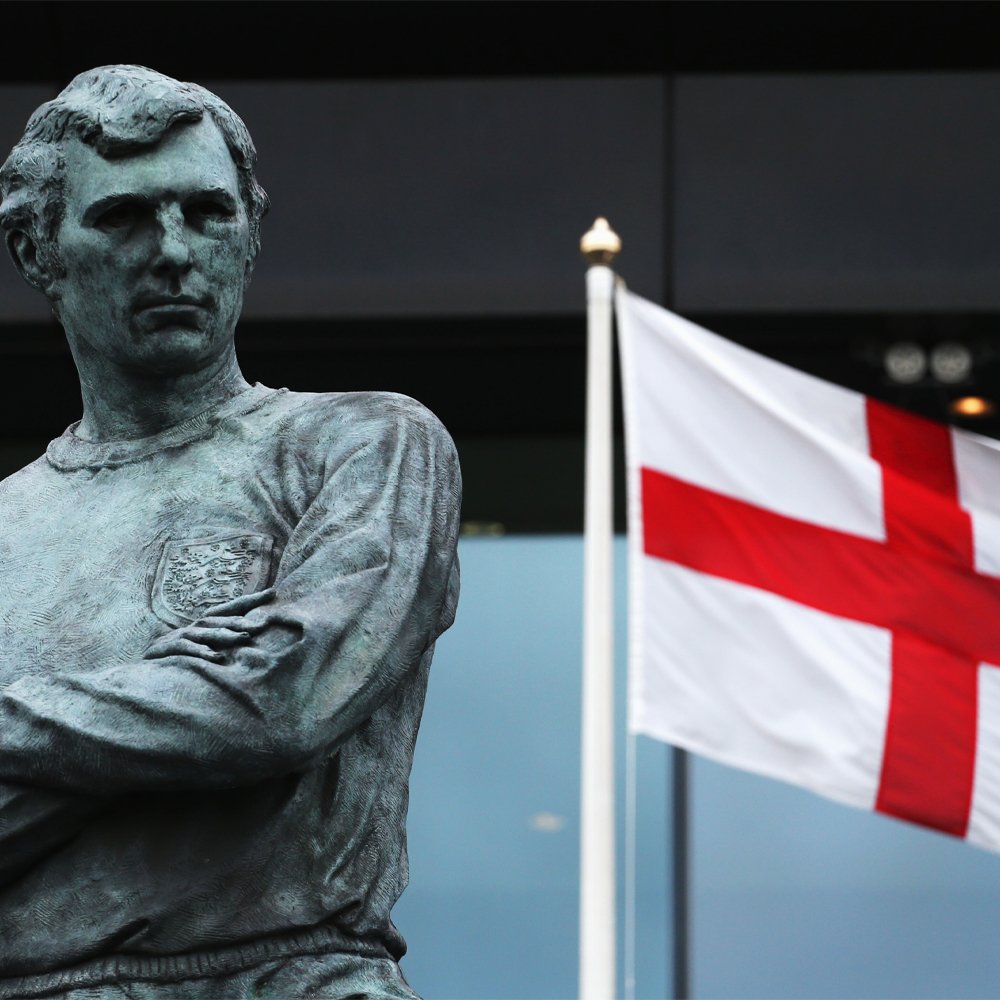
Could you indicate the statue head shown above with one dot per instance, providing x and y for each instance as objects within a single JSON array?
[
  {"x": 131, "y": 202},
  {"x": 117, "y": 111}
]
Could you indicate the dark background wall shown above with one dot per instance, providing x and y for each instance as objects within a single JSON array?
[{"x": 816, "y": 180}]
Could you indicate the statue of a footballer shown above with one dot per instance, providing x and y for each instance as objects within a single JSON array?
[{"x": 218, "y": 601}]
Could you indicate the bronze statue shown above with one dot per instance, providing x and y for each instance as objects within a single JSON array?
[{"x": 218, "y": 601}]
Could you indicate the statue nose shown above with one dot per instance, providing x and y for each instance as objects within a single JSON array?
[{"x": 173, "y": 249}]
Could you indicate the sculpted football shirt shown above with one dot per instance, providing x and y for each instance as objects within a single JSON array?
[{"x": 159, "y": 816}]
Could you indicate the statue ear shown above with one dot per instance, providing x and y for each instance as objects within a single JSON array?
[{"x": 28, "y": 261}]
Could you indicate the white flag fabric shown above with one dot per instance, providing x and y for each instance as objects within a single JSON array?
[{"x": 815, "y": 579}]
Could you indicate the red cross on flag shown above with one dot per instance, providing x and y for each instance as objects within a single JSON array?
[{"x": 815, "y": 581}]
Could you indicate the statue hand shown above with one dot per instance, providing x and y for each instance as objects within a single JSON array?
[{"x": 210, "y": 636}]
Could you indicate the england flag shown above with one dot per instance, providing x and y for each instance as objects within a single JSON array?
[{"x": 815, "y": 579}]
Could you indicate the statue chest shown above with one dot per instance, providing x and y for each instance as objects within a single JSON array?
[{"x": 98, "y": 567}]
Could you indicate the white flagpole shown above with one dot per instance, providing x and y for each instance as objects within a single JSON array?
[{"x": 597, "y": 793}]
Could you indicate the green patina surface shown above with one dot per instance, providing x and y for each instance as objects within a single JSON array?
[{"x": 218, "y": 601}]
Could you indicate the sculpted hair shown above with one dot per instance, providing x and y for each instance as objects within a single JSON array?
[{"x": 117, "y": 110}]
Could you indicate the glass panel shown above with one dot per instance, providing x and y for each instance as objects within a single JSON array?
[{"x": 492, "y": 908}]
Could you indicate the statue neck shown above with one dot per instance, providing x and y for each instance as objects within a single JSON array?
[{"x": 123, "y": 404}]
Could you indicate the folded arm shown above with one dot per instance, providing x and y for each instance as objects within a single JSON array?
[{"x": 368, "y": 580}]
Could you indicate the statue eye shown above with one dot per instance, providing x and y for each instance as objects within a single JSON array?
[
  {"x": 210, "y": 208},
  {"x": 120, "y": 216}
]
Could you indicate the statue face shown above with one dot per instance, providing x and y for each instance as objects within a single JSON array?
[{"x": 154, "y": 247}]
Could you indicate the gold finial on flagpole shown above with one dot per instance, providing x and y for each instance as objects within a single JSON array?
[{"x": 601, "y": 245}]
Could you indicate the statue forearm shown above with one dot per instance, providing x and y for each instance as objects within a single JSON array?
[{"x": 278, "y": 702}]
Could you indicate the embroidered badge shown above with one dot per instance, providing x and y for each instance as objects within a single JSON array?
[{"x": 196, "y": 574}]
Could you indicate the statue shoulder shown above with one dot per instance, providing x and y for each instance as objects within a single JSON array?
[
  {"x": 28, "y": 498},
  {"x": 26, "y": 481},
  {"x": 354, "y": 418}
]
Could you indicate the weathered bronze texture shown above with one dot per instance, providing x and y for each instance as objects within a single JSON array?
[{"x": 218, "y": 601}]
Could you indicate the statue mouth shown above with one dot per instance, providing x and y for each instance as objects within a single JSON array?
[
  {"x": 161, "y": 313},
  {"x": 158, "y": 312},
  {"x": 171, "y": 302}
]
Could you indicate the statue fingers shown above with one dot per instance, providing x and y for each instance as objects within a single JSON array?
[
  {"x": 216, "y": 637},
  {"x": 235, "y": 623},
  {"x": 241, "y": 605},
  {"x": 177, "y": 644}
]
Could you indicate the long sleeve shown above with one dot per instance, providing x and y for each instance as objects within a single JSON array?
[{"x": 367, "y": 581}]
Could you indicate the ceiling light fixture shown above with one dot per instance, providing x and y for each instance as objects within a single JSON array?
[
  {"x": 951, "y": 362},
  {"x": 905, "y": 362},
  {"x": 972, "y": 406}
]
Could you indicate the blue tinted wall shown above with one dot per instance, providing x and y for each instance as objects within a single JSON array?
[{"x": 792, "y": 896}]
